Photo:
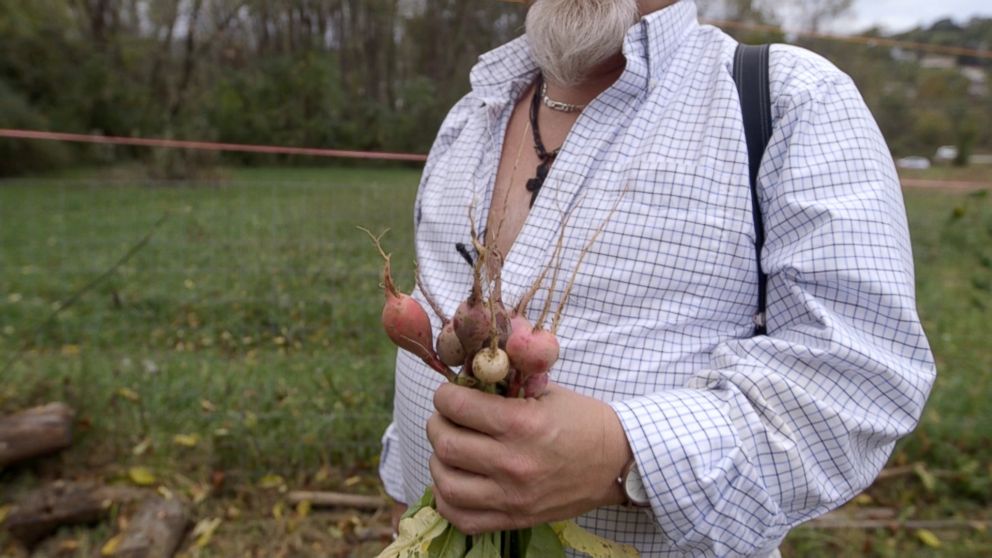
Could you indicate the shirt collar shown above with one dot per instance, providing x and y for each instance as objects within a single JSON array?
[{"x": 503, "y": 73}]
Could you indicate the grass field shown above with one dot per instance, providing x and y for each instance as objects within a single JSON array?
[{"x": 248, "y": 326}]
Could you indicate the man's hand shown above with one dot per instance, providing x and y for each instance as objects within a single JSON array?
[{"x": 503, "y": 464}]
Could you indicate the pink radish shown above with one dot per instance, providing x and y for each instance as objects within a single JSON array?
[
  {"x": 531, "y": 351},
  {"x": 405, "y": 321},
  {"x": 536, "y": 386},
  {"x": 491, "y": 365}
]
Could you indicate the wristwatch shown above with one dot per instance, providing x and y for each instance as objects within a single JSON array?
[{"x": 633, "y": 487}]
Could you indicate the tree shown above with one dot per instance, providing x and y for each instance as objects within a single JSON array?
[{"x": 815, "y": 13}]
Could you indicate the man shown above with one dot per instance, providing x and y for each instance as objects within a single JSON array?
[{"x": 735, "y": 438}]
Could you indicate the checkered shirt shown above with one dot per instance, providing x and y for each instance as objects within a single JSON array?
[{"x": 738, "y": 438}]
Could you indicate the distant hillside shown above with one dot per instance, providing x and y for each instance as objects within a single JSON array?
[{"x": 975, "y": 34}]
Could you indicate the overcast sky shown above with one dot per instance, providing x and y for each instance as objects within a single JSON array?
[{"x": 899, "y": 15}]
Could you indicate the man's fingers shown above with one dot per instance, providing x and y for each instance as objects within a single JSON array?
[
  {"x": 463, "y": 489},
  {"x": 474, "y": 521},
  {"x": 483, "y": 412},
  {"x": 462, "y": 448}
]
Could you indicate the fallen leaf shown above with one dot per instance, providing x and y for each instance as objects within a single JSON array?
[
  {"x": 110, "y": 547},
  {"x": 207, "y": 406},
  {"x": 928, "y": 538},
  {"x": 165, "y": 493},
  {"x": 70, "y": 545},
  {"x": 4, "y": 512},
  {"x": 186, "y": 440},
  {"x": 70, "y": 350},
  {"x": 863, "y": 500},
  {"x": 149, "y": 366},
  {"x": 141, "y": 476},
  {"x": 352, "y": 481},
  {"x": 323, "y": 474},
  {"x": 142, "y": 447},
  {"x": 277, "y": 510},
  {"x": 204, "y": 531},
  {"x": 198, "y": 493},
  {"x": 129, "y": 394},
  {"x": 303, "y": 508},
  {"x": 271, "y": 481},
  {"x": 217, "y": 479},
  {"x": 926, "y": 477}
]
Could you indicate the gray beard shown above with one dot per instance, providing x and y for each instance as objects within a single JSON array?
[{"x": 568, "y": 38}]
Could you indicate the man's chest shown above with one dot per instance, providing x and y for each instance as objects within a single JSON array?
[{"x": 673, "y": 264}]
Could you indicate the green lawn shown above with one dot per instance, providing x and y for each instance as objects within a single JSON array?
[{"x": 250, "y": 320}]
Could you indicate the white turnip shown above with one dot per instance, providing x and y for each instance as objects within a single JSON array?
[{"x": 491, "y": 365}]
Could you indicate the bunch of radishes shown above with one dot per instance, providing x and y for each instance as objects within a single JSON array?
[{"x": 498, "y": 349}]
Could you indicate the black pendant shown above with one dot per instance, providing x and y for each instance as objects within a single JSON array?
[{"x": 534, "y": 184}]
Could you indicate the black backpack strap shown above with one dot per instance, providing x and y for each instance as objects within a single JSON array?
[{"x": 751, "y": 76}]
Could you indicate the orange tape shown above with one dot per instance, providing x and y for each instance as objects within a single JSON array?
[{"x": 210, "y": 146}]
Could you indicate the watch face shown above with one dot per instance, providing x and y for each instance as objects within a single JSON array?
[{"x": 634, "y": 487}]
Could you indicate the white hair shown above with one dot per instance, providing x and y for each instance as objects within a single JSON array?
[{"x": 568, "y": 38}]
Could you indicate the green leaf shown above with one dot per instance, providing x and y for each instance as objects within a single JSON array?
[
  {"x": 544, "y": 543},
  {"x": 451, "y": 544},
  {"x": 426, "y": 501},
  {"x": 416, "y": 535},
  {"x": 484, "y": 546},
  {"x": 520, "y": 541},
  {"x": 577, "y": 538}
]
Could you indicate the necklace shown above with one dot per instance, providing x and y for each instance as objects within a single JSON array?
[
  {"x": 558, "y": 105},
  {"x": 534, "y": 184}
]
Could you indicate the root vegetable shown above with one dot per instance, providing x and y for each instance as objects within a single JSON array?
[
  {"x": 449, "y": 348},
  {"x": 491, "y": 365},
  {"x": 472, "y": 324},
  {"x": 536, "y": 386},
  {"x": 405, "y": 321},
  {"x": 531, "y": 351}
]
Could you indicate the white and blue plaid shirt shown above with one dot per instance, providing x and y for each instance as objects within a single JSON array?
[{"x": 738, "y": 438}]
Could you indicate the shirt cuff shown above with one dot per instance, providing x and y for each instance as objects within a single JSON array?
[
  {"x": 703, "y": 490},
  {"x": 391, "y": 465}
]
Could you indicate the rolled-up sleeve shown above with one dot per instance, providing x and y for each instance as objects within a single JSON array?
[
  {"x": 391, "y": 465},
  {"x": 781, "y": 428}
]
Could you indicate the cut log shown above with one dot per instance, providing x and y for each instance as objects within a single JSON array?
[
  {"x": 156, "y": 530},
  {"x": 35, "y": 432},
  {"x": 41, "y": 512},
  {"x": 336, "y": 500}
]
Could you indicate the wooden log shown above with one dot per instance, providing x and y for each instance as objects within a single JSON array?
[
  {"x": 336, "y": 500},
  {"x": 41, "y": 512},
  {"x": 156, "y": 530},
  {"x": 896, "y": 525},
  {"x": 35, "y": 432}
]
